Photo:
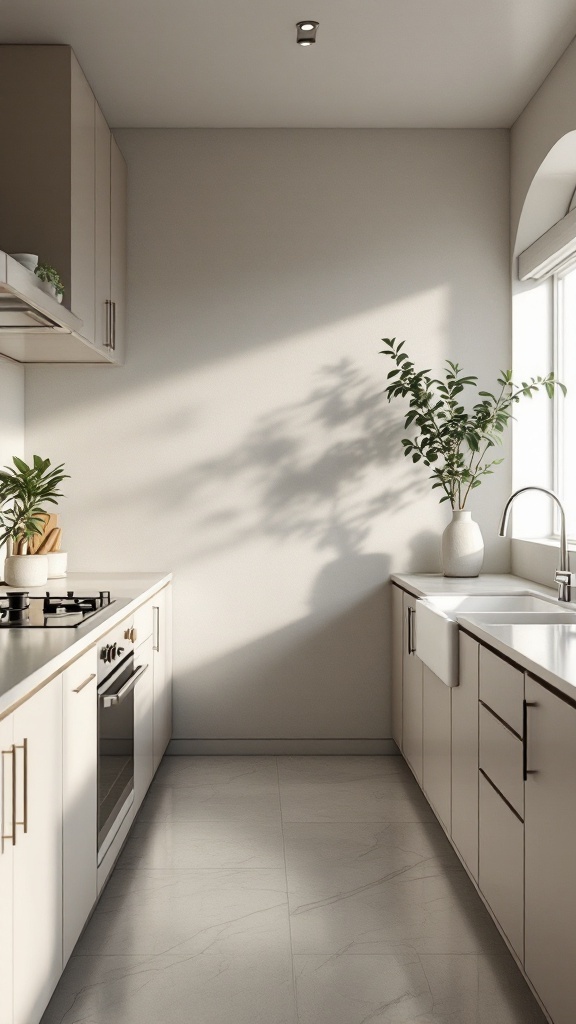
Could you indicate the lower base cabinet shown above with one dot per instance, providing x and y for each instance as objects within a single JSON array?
[
  {"x": 6, "y": 870},
  {"x": 37, "y": 854},
  {"x": 436, "y": 744},
  {"x": 501, "y": 864},
  {"x": 465, "y": 756},
  {"x": 550, "y": 822},
  {"x": 412, "y": 670}
]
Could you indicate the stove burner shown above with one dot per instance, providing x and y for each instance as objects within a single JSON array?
[
  {"x": 18, "y": 605},
  {"x": 20, "y": 609},
  {"x": 71, "y": 603}
]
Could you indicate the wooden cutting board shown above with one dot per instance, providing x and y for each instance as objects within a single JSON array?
[{"x": 50, "y": 523}]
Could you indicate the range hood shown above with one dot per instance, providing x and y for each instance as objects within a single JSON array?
[
  {"x": 25, "y": 306},
  {"x": 34, "y": 327}
]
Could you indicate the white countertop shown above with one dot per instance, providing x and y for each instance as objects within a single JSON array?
[
  {"x": 29, "y": 656},
  {"x": 547, "y": 651}
]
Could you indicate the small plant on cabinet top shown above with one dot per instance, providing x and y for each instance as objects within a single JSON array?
[
  {"x": 26, "y": 490},
  {"x": 455, "y": 442},
  {"x": 51, "y": 276}
]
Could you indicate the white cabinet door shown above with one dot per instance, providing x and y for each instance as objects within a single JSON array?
[
  {"x": 465, "y": 756},
  {"x": 501, "y": 864},
  {"x": 82, "y": 249},
  {"x": 80, "y": 799},
  {"x": 550, "y": 823},
  {"x": 102, "y": 231},
  {"x": 118, "y": 275},
  {"x": 411, "y": 693},
  {"x": 436, "y": 743},
  {"x": 6, "y": 868},
  {"x": 162, "y": 640},
  {"x": 143, "y": 723},
  {"x": 38, "y": 852},
  {"x": 397, "y": 652}
]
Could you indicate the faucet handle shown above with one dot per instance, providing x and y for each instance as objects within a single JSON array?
[{"x": 566, "y": 581}]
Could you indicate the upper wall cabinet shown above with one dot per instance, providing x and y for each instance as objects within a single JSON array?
[{"x": 63, "y": 196}]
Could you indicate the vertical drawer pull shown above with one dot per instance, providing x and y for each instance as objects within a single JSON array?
[
  {"x": 526, "y": 771},
  {"x": 24, "y": 748},
  {"x": 11, "y": 835},
  {"x": 411, "y": 644},
  {"x": 156, "y": 637}
]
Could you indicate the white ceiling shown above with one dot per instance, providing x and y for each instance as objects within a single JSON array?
[{"x": 235, "y": 63}]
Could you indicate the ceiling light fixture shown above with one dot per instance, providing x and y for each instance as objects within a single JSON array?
[{"x": 306, "y": 32}]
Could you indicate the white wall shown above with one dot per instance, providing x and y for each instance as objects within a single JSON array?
[
  {"x": 11, "y": 410},
  {"x": 246, "y": 444}
]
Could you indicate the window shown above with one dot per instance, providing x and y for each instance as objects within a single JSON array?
[{"x": 565, "y": 408}]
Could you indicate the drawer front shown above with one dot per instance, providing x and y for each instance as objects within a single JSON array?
[
  {"x": 501, "y": 864},
  {"x": 501, "y": 759},
  {"x": 502, "y": 688}
]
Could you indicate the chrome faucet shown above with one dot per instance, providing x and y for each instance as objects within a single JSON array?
[{"x": 563, "y": 577}]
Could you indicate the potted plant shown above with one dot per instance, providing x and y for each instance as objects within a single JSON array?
[
  {"x": 25, "y": 491},
  {"x": 50, "y": 279},
  {"x": 455, "y": 442}
]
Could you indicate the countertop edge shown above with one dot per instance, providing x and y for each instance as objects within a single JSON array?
[{"x": 30, "y": 683}]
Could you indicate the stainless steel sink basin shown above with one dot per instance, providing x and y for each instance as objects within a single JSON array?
[{"x": 437, "y": 622}]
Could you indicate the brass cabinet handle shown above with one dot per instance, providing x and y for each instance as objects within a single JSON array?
[
  {"x": 77, "y": 689},
  {"x": 24, "y": 748},
  {"x": 113, "y": 332},
  {"x": 156, "y": 638},
  {"x": 12, "y": 835}
]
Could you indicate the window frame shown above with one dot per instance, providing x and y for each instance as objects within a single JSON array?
[{"x": 559, "y": 442}]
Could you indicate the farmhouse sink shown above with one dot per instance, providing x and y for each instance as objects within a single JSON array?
[{"x": 437, "y": 622}]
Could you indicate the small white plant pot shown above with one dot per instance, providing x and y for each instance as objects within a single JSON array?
[
  {"x": 26, "y": 570},
  {"x": 57, "y": 564}
]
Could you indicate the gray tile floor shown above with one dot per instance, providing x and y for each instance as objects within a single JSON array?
[{"x": 263, "y": 890}]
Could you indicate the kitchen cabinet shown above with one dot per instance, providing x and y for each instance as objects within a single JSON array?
[
  {"x": 162, "y": 661},
  {"x": 79, "y": 795},
  {"x": 37, "y": 855},
  {"x": 412, "y": 671},
  {"x": 397, "y": 654},
  {"x": 550, "y": 841},
  {"x": 501, "y": 868},
  {"x": 143, "y": 723},
  {"x": 7, "y": 754},
  {"x": 77, "y": 220},
  {"x": 464, "y": 755},
  {"x": 501, "y": 796},
  {"x": 436, "y": 744}
]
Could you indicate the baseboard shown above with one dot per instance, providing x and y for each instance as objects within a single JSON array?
[{"x": 304, "y": 747}]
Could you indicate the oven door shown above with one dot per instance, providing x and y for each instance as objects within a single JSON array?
[{"x": 115, "y": 750}]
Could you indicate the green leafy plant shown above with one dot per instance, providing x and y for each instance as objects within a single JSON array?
[
  {"x": 25, "y": 491},
  {"x": 47, "y": 273},
  {"x": 457, "y": 443}
]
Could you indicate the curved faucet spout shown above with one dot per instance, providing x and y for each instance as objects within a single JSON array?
[{"x": 563, "y": 577}]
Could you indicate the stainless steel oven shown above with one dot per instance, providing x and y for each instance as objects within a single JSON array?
[{"x": 118, "y": 675}]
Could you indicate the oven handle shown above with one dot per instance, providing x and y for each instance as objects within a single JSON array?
[{"x": 117, "y": 698}]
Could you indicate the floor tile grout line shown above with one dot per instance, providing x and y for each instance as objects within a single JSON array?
[{"x": 292, "y": 965}]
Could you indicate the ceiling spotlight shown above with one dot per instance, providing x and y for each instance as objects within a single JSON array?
[{"x": 306, "y": 32}]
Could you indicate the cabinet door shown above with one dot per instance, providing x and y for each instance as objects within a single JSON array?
[
  {"x": 38, "y": 852},
  {"x": 501, "y": 864},
  {"x": 436, "y": 742},
  {"x": 162, "y": 642},
  {"x": 82, "y": 251},
  {"x": 397, "y": 649},
  {"x": 79, "y": 795},
  {"x": 143, "y": 724},
  {"x": 118, "y": 283},
  {"x": 6, "y": 868},
  {"x": 411, "y": 693},
  {"x": 550, "y": 819},
  {"x": 465, "y": 755},
  {"x": 102, "y": 231}
]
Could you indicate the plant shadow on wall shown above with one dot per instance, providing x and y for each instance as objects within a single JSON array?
[{"x": 324, "y": 469}]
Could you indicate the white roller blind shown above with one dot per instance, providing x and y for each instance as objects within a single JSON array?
[{"x": 548, "y": 252}]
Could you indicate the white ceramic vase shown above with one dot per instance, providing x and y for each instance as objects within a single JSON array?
[
  {"x": 26, "y": 570},
  {"x": 462, "y": 546}
]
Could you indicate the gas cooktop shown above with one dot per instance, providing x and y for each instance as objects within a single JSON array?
[{"x": 21, "y": 610}]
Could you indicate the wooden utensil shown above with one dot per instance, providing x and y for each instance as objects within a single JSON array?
[
  {"x": 49, "y": 541},
  {"x": 50, "y": 521}
]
